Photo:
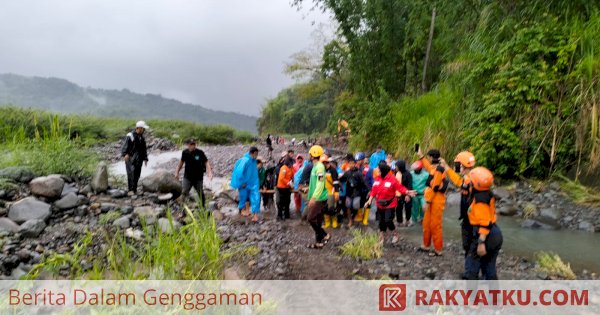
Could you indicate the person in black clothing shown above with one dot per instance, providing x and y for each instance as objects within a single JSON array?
[
  {"x": 196, "y": 164},
  {"x": 269, "y": 143},
  {"x": 404, "y": 202},
  {"x": 135, "y": 154},
  {"x": 355, "y": 186}
]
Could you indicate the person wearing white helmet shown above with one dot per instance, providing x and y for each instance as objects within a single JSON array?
[{"x": 134, "y": 152}]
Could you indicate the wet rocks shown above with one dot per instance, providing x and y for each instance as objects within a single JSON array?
[
  {"x": 509, "y": 209},
  {"x": 32, "y": 228},
  {"x": 69, "y": 188},
  {"x": 47, "y": 186},
  {"x": 550, "y": 213},
  {"x": 99, "y": 182},
  {"x": 586, "y": 226},
  {"x": 146, "y": 213},
  {"x": 28, "y": 209},
  {"x": 123, "y": 222},
  {"x": 501, "y": 193},
  {"x": 69, "y": 201},
  {"x": 162, "y": 182},
  {"x": 540, "y": 224},
  {"x": 167, "y": 226},
  {"x": 17, "y": 174},
  {"x": 7, "y": 225},
  {"x": 117, "y": 193}
]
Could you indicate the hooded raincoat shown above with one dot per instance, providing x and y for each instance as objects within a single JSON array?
[{"x": 245, "y": 179}]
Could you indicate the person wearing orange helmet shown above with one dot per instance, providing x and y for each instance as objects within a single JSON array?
[
  {"x": 459, "y": 176},
  {"x": 435, "y": 202},
  {"x": 482, "y": 253}
]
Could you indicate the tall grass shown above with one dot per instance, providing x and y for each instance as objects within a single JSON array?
[
  {"x": 579, "y": 193},
  {"x": 191, "y": 252}
]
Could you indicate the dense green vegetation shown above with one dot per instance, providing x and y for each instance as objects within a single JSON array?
[
  {"x": 516, "y": 82},
  {"x": 60, "y": 95},
  {"x": 48, "y": 143}
]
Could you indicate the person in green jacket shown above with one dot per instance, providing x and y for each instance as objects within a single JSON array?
[
  {"x": 317, "y": 196},
  {"x": 419, "y": 182}
]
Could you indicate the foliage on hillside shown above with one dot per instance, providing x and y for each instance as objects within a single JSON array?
[
  {"x": 516, "y": 82},
  {"x": 60, "y": 95}
]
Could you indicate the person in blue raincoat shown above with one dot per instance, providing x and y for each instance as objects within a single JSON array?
[
  {"x": 376, "y": 157},
  {"x": 297, "y": 178},
  {"x": 245, "y": 180}
]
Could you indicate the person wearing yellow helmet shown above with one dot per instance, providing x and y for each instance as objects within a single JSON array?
[
  {"x": 482, "y": 253},
  {"x": 317, "y": 196}
]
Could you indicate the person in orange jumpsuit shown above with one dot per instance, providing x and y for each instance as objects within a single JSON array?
[
  {"x": 435, "y": 202},
  {"x": 483, "y": 252}
]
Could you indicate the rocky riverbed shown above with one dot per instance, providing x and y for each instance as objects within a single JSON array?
[{"x": 43, "y": 215}]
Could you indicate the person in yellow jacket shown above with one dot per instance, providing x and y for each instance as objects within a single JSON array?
[
  {"x": 333, "y": 193},
  {"x": 435, "y": 202},
  {"x": 483, "y": 252}
]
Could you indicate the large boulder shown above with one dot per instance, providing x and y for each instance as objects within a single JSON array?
[
  {"x": 70, "y": 201},
  {"x": 99, "y": 182},
  {"x": 541, "y": 223},
  {"x": 162, "y": 182},
  {"x": 550, "y": 213},
  {"x": 502, "y": 193},
  {"x": 47, "y": 186},
  {"x": 32, "y": 228},
  {"x": 17, "y": 174},
  {"x": 7, "y": 225},
  {"x": 28, "y": 209},
  {"x": 508, "y": 209}
]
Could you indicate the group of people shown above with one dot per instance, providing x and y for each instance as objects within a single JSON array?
[{"x": 326, "y": 192}]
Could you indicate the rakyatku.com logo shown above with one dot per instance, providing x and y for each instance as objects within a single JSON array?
[{"x": 392, "y": 297}]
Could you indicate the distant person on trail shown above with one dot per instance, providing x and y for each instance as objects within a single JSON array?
[
  {"x": 317, "y": 196},
  {"x": 196, "y": 164},
  {"x": 245, "y": 180},
  {"x": 419, "y": 181},
  {"x": 269, "y": 143},
  {"x": 135, "y": 154},
  {"x": 386, "y": 189}
]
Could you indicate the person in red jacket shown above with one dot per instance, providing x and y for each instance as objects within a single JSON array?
[{"x": 385, "y": 191}]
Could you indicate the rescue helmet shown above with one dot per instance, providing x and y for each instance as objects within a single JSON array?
[
  {"x": 316, "y": 151},
  {"x": 482, "y": 178},
  {"x": 466, "y": 159},
  {"x": 417, "y": 165},
  {"x": 360, "y": 156}
]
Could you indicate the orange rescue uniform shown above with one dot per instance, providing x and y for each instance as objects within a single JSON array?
[{"x": 435, "y": 202}]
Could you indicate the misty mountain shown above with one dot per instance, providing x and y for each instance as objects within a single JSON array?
[{"x": 60, "y": 95}]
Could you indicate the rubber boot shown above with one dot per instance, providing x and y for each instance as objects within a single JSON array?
[
  {"x": 327, "y": 221},
  {"x": 359, "y": 215},
  {"x": 366, "y": 216},
  {"x": 334, "y": 222}
]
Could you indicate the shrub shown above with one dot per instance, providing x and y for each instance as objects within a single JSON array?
[
  {"x": 554, "y": 266},
  {"x": 363, "y": 245}
]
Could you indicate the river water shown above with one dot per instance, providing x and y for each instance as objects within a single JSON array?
[{"x": 578, "y": 248}]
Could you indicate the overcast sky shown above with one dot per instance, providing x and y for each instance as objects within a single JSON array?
[{"x": 221, "y": 54}]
